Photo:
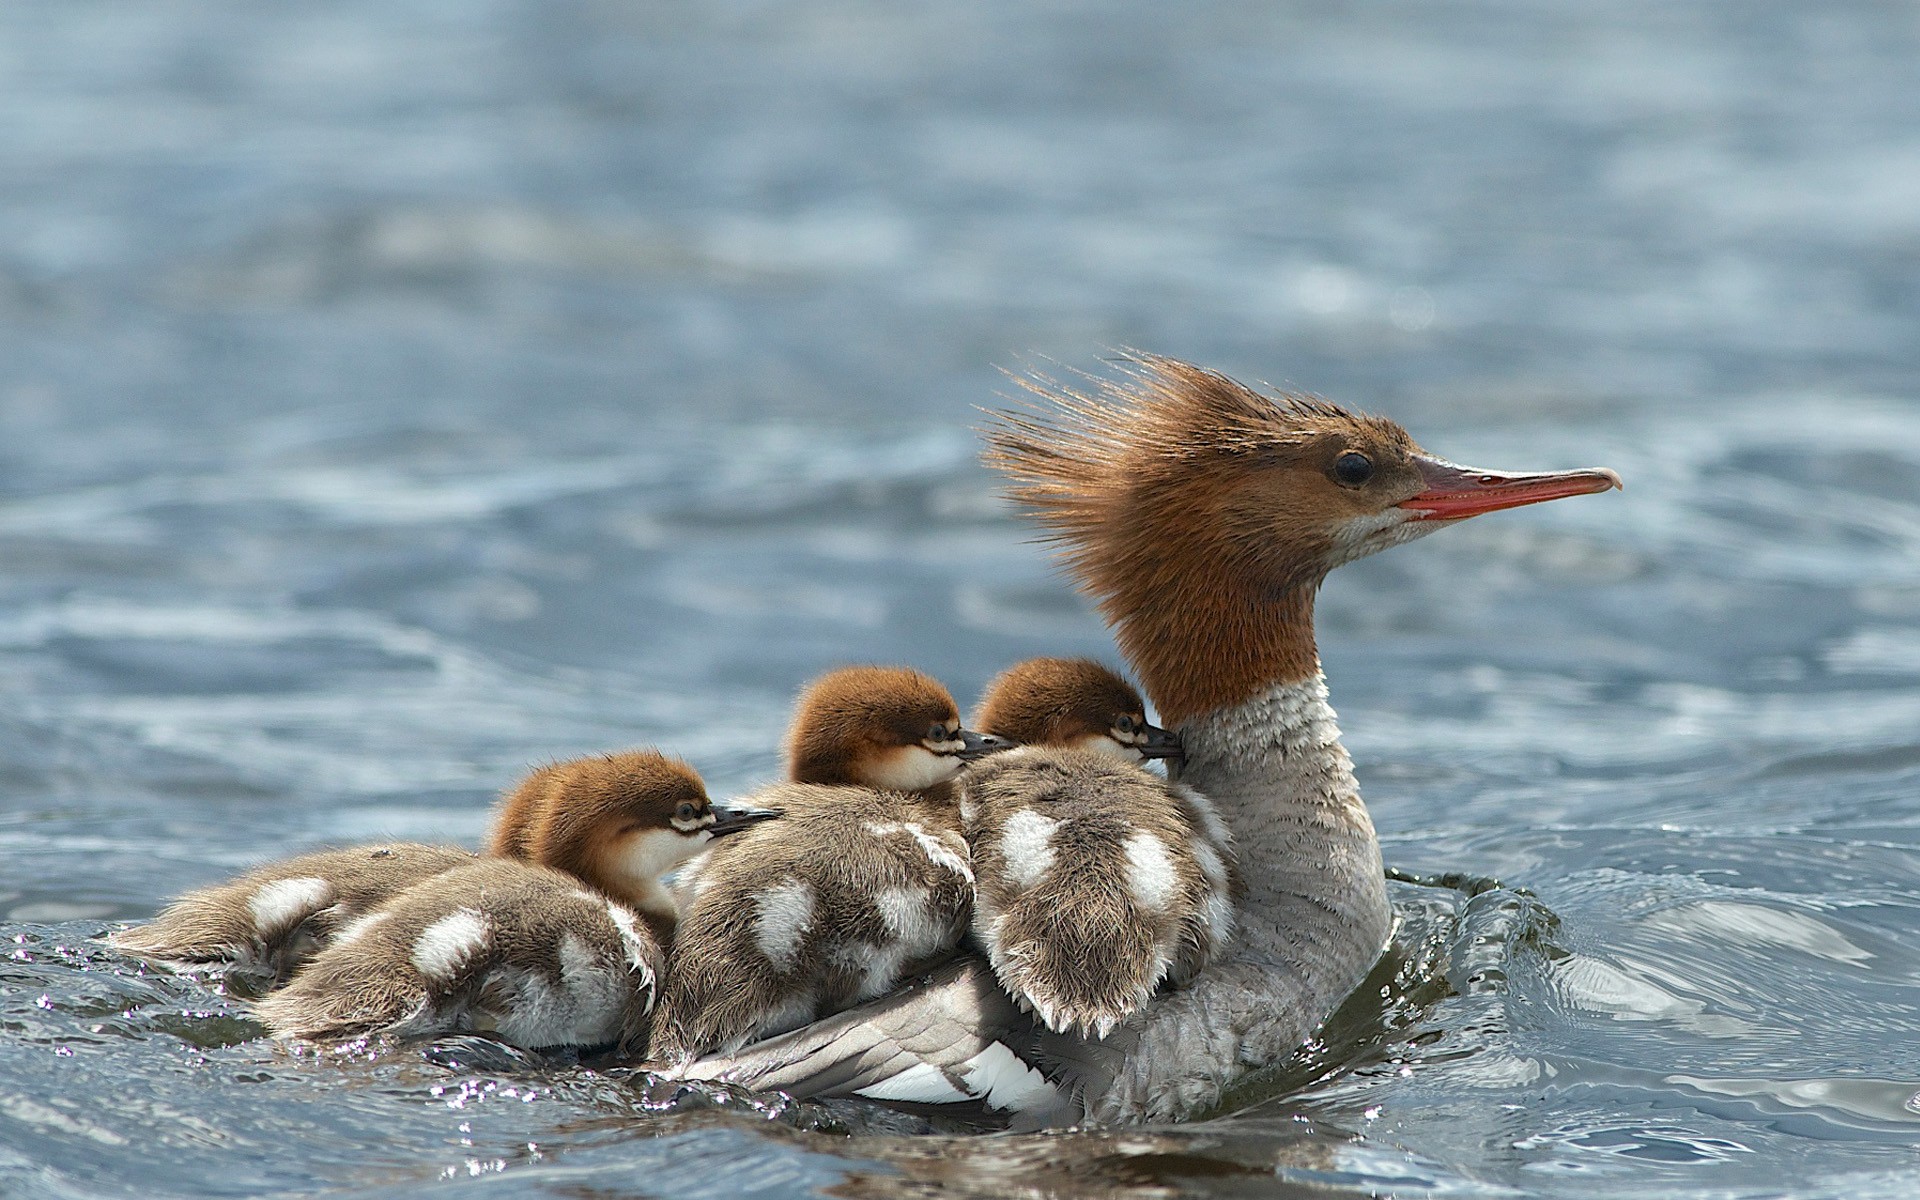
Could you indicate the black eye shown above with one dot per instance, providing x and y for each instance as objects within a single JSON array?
[
  {"x": 1124, "y": 724},
  {"x": 685, "y": 812},
  {"x": 1352, "y": 469},
  {"x": 936, "y": 733}
]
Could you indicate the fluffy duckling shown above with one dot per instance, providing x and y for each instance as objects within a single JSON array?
[
  {"x": 264, "y": 924},
  {"x": 862, "y": 881},
  {"x": 617, "y": 822},
  {"x": 515, "y": 949},
  {"x": 1097, "y": 881},
  {"x": 509, "y": 948},
  {"x": 589, "y": 817}
]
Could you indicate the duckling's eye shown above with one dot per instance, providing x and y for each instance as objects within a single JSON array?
[
  {"x": 1352, "y": 469},
  {"x": 685, "y": 812},
  {"x": 937, "y": 733},
  {"x": 1124, "y": 724}
]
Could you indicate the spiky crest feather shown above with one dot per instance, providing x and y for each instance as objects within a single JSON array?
[{"x": 1195, "y": 510}]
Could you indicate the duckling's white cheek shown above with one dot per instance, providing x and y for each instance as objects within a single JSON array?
[
  {"x": 910, "y": 769},
  {"x": 1101, "y": 743},
  {"x": 644, "y": 857}
]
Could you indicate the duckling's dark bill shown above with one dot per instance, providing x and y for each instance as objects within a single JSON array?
[
  {"x": 979, "y": 745},
  {"x": 1160, "y": 743},
  {"x": 728, "y": 821}
]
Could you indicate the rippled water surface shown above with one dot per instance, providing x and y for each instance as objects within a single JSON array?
[{"x": 396, "y": 395}]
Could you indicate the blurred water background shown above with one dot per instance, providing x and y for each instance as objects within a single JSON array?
[{"x": 395, "y": 395}]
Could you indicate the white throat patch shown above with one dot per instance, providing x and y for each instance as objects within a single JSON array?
[{"x": 1361, "y": 536}]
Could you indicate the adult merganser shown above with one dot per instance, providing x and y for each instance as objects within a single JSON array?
[
  {"x": 1095, "y": 880},
  {"x": 863, "y": 879},
  {"x": 1203, "y": 516},
  {"x": 517, "y": 949}
]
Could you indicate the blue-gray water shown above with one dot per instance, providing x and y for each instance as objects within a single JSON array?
[{"x": 396, "y": 394}]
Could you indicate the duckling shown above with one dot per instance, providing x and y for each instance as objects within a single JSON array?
[
  {"x": 584, "y": 817},
  {"x": 503, "y": 947},
  {"x": 862, "y": 881},
  {"x": 516, "y": 949},
  {"x": 1096, "y": 881},
  {"x": 267, "y": 922},
  {"x": 617, "y": 822}
]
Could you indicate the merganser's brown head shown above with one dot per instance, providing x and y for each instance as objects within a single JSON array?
[
  {"x": 618, "y": 821},
  {"x": 882, "y": 727},
  {"x": 1204, "y": 515},
  {"x": 1072, "y": 702}
]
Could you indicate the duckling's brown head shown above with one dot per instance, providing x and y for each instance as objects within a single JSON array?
[
  {"x": 1204, "y": 515},
  {"x": 882, "y": 727},
  {"x": 1071, "y": 702},
  {"x": 618, "y": 821}
]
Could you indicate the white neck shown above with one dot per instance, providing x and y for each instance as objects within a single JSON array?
[{"x": 1316, "y": 901}]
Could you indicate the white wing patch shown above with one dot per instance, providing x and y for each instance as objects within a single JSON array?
[
  {"x": 577, "y": 961},
  {"x": 1150, "y": 873},
  {"x": 1201, "y": 809},
  {"x": 785, "y": 915},
  {"x": 938, "y": 852},
  {"x": 284, "y": 903},
  {"x": 357, "y": 928},
  {"x": 1026, "y": 842},
  {"x": 921, "y": 1083},
  {"x": 1220, "y": 919},
  {"x": 1003, "y": 1080},
  {"x": 449, "y": 943},
  {"x": 904, "y": 912}
]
